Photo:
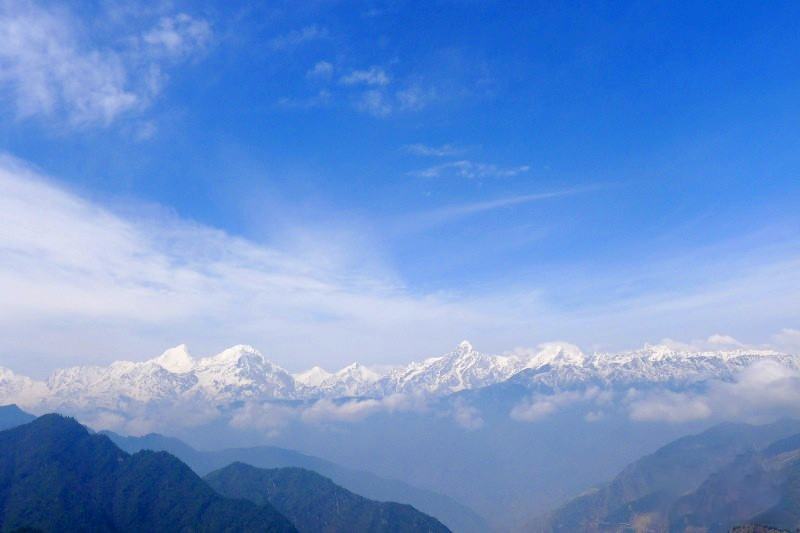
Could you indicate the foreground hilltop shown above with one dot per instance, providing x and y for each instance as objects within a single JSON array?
[{"x": 55, "y": 475}]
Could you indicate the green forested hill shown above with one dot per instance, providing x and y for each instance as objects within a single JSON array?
[{"x": 56, "y": 476}]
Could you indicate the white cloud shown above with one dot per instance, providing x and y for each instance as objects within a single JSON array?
[
  {"x": 374, "y": 103},
  {"x": 134, "y": 284},
  {"x": 372, "y": 76},
  {"x": 295, "y": 38},
  {"x": 129, "y": 284},
  {"x": 272, "y": 418},
  {"x": 142, "y": 419},
  {"x": 328, "y": 411},
  {"x": 470, "y": 170},
  {"x": 541, "y": 406},
  {"x": 447, "y": 214},
  {"x": 50, "y": 69},
  {"x": 466, "y": 415},
  {"x": 443, "y": 150},
  {"x": 788, "y": 339},
  {"x": 670, "y": 406},
  {"x": 179, "y": 36},
  {"x": 594, "y": 416},
  {"x": 267, "y": 418},
  {"x": 414, "y": 98},
  {"x": 714, "y": 342},
  {"x": 44, "y": 67},
  {"x": 321, "y": 70},
  {"x": 764, "y": 389},
  {"x": 322, "y": 98}
]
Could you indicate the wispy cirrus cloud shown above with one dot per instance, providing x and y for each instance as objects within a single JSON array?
[
  {"x": 443, "y": 215},
  {"x": 294, "y": 38},
  {"x": 133, "y": 284},
  {"x": 443, "y": 150},
  {"x": 49, "y": 69},
  {"x": 321, "y": 70},
  {"x": 179, "y": 36},
  {"x": 383, "y": 102},
  {"x": 374, "y": 102},
  {"x": 372, "y": 76},
  {"x": 322, "y": 98},
  {"x": 470, "y": 170},
  {"x": 65, "y": 261}
]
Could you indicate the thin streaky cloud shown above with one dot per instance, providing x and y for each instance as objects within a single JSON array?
[
  {"x": 295, "y": 38},
  {"x": 443, "y": 150},
  {"x": 374, "y": 76},
  {"x": 426, "y": 219},
  {"x": 470, "y": 170}
]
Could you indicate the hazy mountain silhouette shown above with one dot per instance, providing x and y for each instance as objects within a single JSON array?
[
  {"x": 314, "y": 503},
  {"x": 12, "y": 416},
  {"x": 454, "y": 515},
  {"x": 715, "y": 480}
]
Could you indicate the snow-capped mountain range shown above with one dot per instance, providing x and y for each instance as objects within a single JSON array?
[{"x": 242, "y": 373}]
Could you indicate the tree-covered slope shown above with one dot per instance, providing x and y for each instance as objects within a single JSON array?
[
  {"x": 56, "y": 476},
  {"x": 315, "y": 504}
]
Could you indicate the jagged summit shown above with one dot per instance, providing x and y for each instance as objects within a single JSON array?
[
  {"x": 464, "y": 347},
  {"x": 242, "y": 373},
  {"x": 177, "y": 359},
  {"x": 556, "y": 353},
  {"x": 353, "y": 380}
]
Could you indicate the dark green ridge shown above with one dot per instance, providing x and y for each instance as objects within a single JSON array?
[{"x": 57, "y": 476}]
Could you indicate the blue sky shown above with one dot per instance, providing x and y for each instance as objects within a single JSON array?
[{"x": 378, "y": 180}]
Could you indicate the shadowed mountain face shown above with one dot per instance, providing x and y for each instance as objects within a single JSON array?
[
  {"x": 12, "y": 416},
  {"x": 732, "y": 474},
  {"x": 315, "y": 504},
  {"x": 56, "y": 476},
  {"x": 454, "y": 515}
]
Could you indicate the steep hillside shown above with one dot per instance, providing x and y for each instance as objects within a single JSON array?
[
  {"x": 315, "y": 504},
  {"x": 56, "y": 476},
  {"x": 648, "y": 493}
]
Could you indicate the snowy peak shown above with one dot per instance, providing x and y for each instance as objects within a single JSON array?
[
  {"x": 235, "y": 355},
  {"x": 358, "y": 372},
  {"x": 665, "y": 354},
  {"x": 242, "y": 373},
  {"x": 463, "y": 368},
  {"x": 177, "y": 360},
  {"x": 313, "y": 377},
  {"x": 352, "y": 380},
  {"x": 556, "y": 354},
  {"x": 464, "y": 347}
]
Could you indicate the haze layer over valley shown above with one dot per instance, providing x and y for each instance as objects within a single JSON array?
[{"x": 430, "y": 423}]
